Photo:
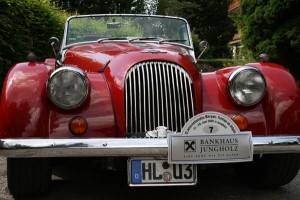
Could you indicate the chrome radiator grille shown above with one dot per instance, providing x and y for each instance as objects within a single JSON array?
[{"x": 157, "y": 94}]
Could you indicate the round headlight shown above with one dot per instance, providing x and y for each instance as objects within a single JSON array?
[
  {"x": 247, "y": 86},
  {"x": 67, "y": 87}
]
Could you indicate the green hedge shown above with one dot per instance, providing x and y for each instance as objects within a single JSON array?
[
  {"x": 208, "y": 65},
  {"x": 272, "y": 27},
  {"x": 26, "y": 26}
]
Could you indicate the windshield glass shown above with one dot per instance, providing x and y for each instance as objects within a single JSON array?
[{"x": 151, "y": 28}]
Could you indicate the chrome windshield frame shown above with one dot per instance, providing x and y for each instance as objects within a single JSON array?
[{"x": 64, "y": 46}]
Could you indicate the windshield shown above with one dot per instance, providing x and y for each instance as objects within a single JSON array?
[{"x": 134, "y": 28}]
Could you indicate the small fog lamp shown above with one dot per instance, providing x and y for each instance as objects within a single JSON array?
[{"x": 78, "y": 125}]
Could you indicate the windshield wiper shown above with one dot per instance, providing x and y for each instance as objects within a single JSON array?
[
  {"x": 160, "y": 40},
  {"x": 143, "y": 38},
  {"x": 170, "y": 40},
  {"x": 112, "y": 38}
]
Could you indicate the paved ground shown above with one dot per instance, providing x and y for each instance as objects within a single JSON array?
[{"x": 88, "y": 183}]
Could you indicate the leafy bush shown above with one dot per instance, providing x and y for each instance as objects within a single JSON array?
[
  {"x": 209, "y": 19},
  {"x": 272, "y": 27},
  {"x": 26, "y": 26}
]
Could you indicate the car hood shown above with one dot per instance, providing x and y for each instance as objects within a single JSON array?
[{"x": 95, "y": 56}]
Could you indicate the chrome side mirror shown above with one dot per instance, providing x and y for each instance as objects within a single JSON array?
[
  {"x": 55, "y": 44},
  {"x": 203, "y": 46}
]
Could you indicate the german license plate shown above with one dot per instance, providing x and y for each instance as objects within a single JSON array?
[{"x": 151, "y": 172}]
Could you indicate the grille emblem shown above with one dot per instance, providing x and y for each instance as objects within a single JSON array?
[{"x": 160, "y": 132}]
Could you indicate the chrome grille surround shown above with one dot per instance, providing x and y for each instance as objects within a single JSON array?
[{"x": 157, "y": 93}]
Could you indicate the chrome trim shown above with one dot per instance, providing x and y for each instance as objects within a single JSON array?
[
  {"x": 190, "y": 47},
  {"x": 81, "y": 74},
  {"x": 157, "y": 147},
  {"x": 235, "y": 74},
  {"x": 157, "y": 103}
]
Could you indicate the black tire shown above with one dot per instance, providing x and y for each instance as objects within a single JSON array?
[
  {"x": 269, "y": 170},
  {"x": 28, "y": 176}
]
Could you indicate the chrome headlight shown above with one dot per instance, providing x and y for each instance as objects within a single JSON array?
[
  {"x": 67, "y": 87},
  {"x": 247, "y": 86}
]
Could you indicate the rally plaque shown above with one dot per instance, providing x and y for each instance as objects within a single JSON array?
[{"x": 210, "y": 137}]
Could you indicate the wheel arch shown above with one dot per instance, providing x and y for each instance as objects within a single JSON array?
[{"x": 23, "y": 102}]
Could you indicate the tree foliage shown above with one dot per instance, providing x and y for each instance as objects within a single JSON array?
[
  {"x": 273, "y": 27},
  {"x": 209, "y": 19},
  {"x": 101, "y": 6},
  {"x": 26, "y": 26}
]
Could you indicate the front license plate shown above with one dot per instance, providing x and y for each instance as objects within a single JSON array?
[{"x": 150, "y": 172}]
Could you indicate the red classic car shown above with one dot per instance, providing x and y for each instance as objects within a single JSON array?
[{"x": 127, "y": 86}]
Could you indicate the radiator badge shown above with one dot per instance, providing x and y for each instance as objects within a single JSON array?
[{"x": 160, "y": 132}]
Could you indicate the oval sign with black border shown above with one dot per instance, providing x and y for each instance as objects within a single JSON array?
[{"x": 210, "y": 137}]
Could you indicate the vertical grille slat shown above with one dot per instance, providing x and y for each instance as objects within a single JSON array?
[
  {"x": 148, "y": 97},
  {"x": 175, "y": 102},
  {"x": 178, "y": 98},
  {"x": 187, "y": 99},
  {"x": 135, "y": 100},
  {"x": 126, "y": 101},
  {"x": 157, "y": 94},
  {"x": 144, "y": 97},
  {"x": 162, "y": 95},
  {"x": 166, "y": 95},
  {"x": 153, "y": 97},
  {"x": 157, "y": 103}
]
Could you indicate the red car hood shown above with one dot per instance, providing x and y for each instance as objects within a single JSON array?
[
  {"x": 93, "y": 57},
  {"x": 114, "y": 60}
]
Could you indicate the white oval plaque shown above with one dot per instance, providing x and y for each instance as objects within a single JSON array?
[{"x": 210, "y": 123}]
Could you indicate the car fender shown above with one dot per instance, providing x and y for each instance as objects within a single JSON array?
[
  {"x": 24, "y": 102},
  {"x": 26, "y": 110},
  {"x": 277, "y": 113}
]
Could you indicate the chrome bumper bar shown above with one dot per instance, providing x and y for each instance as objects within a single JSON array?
[{"x": 154, "y": 147}]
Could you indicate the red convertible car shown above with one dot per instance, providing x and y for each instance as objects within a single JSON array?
[{"x": 128, "y": 87}]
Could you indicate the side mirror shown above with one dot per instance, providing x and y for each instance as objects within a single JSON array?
[
  {"x": 203, "y": 46},
  {"x": 55, "y": 44},
  {"x": 264, "y": 57}
]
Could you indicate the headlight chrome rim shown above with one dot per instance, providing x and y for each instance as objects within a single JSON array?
[
  {"x": 77, "y": 72},
  {"x": 233, "y": 77}
]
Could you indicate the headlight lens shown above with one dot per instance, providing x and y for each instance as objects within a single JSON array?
[
  {"x": 67, "y": 87},
  {"x": 247, "y": 86}
]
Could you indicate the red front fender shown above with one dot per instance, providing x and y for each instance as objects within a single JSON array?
[
  {"x": 26, "y": 111},
  {"x": 277, "y": 114},
  {"x": 24, "y": 107}
]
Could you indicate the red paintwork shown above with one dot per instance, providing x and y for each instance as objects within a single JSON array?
[
  {"x": 27, "y": 112},
  {"x": 24, "y": 102},
  {"x": 50, "y": 62},
  {"x": 122, "y": 56},
  {"x": 116, "y": 76},
  {"x": 277, "y": 114},
  {"x": 98, "y": 112},
  {"x": 93, "y": 57}
]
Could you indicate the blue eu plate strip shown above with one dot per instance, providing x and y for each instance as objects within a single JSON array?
[{"x": 136, "y": 171}]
